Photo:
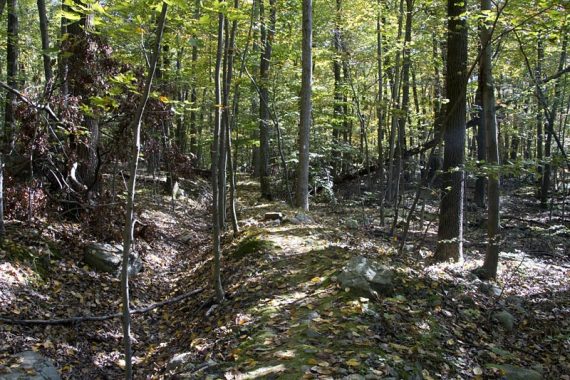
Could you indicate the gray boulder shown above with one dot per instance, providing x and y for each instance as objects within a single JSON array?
[
  {"x": 300, "y": 218},
  {"x": 365, "y": 276},
  {"x": 352, "y": 224},
  {"x": 505, "y": 319},
  {"x": 108, "y": 258},
  {"x": 181, "y": 362},
  {"x": 30, "y": 365}
]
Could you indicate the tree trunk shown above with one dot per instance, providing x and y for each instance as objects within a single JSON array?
[
  {"x": 45, "y": 41},
  {"x": 227, "y": 120},
  {"x": 481, "y": 143},
  {"x": 129, "y": 217},
  {"x": 216, "y": 148},
  {"x": 193, "y": 92},
  {"x": 302, "y": 191},
  {"x": 539, "y": 120},
  {"x": 450, "y": 232},
  {"x": 380, "y": 105},
  {"x": 490, "y": 123},
  {"x": 12, "y": 52},
  {"x": 267, "y": 32},
  {"x": 393, "y": 171},
  {"x": 338, "y": 118},
  {"x": 551, "y": 118},
  {"x": 2, "y": 227}
]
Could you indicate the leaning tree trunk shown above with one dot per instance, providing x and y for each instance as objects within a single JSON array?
[
  {"x": 450, "y": 232},
  {"x": 129, "y": 222},
  {"x": 302, "y": 191}
]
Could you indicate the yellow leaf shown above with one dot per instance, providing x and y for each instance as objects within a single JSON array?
[
  {"x": 315, "y": 280},
  {"x": 353, "y": 363},
  {"x": 312, "y": 361},
  {"x": 163, "y": 99}
]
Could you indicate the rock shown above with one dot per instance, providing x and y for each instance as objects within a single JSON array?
[
  {"x": 516, "y": 302},
  {"x": 511, "y": 372},
  {"x": 490, "y": 289},
  {"x": 30, "y": 365},
  {"x": 181, "y": 362},
  {"x": 301, "y": 218},
  {"x": 354, "y": 376},
  {"x": 106, "y": 257},
  {"x": 352, "y": 224},
  {"x": 505, "y": 319},
  {"x": 365, "y": 276},
  {"x": 273, "y": 216}
]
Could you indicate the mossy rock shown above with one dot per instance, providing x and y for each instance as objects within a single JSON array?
[{"x": 251, "y": 245}]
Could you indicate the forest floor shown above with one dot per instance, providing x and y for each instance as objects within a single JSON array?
[{"x": 286, "y": 316}]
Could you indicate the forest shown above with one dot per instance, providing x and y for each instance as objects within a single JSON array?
[{"x": 284, "y": 189}]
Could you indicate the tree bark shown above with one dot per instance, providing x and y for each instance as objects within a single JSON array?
[
  {"x": 193, "y": 92},
  {"x": 380, "y": 105},
  {"x": 228, "y": 117},
  {"x": 450, "y": 231},
  {"x": 48, "y": 75},
  {"x": 302, "y": 191},
  {"x": 551, "y": 118},
  {"x": 267, "y": 32},
  {"x": 481, "y": 142},
  {"x": 539, "y": 119},
  {"x": 490, "y": 124},
  {"x": 129, "y": 218},
  {"x": 216, "y": 148},
  {"x": 338, "y": 117},
  {"x": 12, "y": 53}
]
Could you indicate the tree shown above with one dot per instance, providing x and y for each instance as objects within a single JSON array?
[
  {"x": 129, "y": 217},
  {"x": 489, "y": 121},
  {"x": 45, "y": 41},
  {"x": 267, "y": 33},
  {"x": 450, "y": 231},
  {"x": 302, "y": 191},
  {"x": 217, "y": 211},
  {"x": 12, "y": 52}
]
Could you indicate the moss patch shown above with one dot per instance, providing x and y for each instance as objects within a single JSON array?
[
  {"x": 251, "y": 245},
  {"x": 37, "y": 260}
]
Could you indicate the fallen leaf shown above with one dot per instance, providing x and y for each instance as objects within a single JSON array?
[{"x": 353, "y": 363}]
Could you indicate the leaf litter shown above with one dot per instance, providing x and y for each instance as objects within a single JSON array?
[{"x": 285, "y": 315}]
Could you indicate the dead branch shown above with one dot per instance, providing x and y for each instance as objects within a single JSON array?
[
  {"x": 40, "y": 107},
  {"x": 95, "y": 318}
]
